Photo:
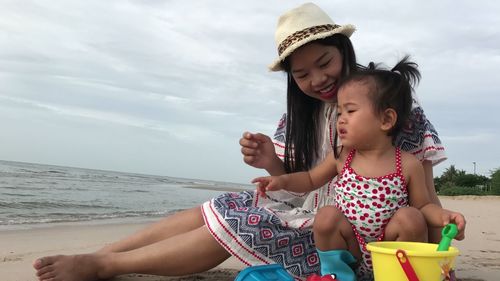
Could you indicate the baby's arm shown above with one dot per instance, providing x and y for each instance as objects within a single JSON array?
[
  {"x": 300, "y": 181},
  {"x": 420, "y": 198}
]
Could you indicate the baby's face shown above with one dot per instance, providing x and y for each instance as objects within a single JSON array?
[{"x": 357, "y": 122}]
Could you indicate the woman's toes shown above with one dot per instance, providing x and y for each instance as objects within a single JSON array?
[
  {"x": 38, "y": 263},
  {"x": 43, "y": 262},
  {"x": 47, "y": 275}
]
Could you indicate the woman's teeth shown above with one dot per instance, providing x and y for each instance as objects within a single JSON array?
[{"x": 326, "y": 90}]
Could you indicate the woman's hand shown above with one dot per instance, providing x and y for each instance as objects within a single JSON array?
[{"x": 258, "y": 151}]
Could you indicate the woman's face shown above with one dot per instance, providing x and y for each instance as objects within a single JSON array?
[{"x": 317, "y": 70}]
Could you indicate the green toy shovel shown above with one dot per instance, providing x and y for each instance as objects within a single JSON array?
[{"x": 448, "y": 233}]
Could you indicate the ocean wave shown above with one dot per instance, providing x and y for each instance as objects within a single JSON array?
[
  {"x": 75, "y": 217},
  {"x": 38, "y": 194},
  {"x": 18, "y": 194},
  {"x": 28, "y": 205}
]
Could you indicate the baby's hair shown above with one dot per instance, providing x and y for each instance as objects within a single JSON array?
[{"x": 388, "y": 89}]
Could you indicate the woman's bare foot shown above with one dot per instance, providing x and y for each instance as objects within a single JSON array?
[{"x": 70, "y": 268}]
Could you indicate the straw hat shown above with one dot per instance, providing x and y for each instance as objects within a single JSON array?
[{"x": 302, "y": 25}]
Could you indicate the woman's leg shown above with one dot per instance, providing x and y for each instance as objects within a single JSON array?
[
  {"x": 434, "y": 232},
  {"x": 178, "y": 223},
  {"x": 191, "y": 252},
  {"x": 407, "y": 224}
]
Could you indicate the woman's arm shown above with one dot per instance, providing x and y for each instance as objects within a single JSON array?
[
  {"x": 429, "y": 182},
  {"x": 416, "y": 181},
  {"x": 434, "y": 232}
]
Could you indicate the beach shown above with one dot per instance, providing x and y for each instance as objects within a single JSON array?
[{"x": 479, "y": 257}]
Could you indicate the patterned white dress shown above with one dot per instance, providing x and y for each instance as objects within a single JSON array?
[{"x": 278, "y": 229}]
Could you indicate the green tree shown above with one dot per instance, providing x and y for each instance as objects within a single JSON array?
[
  {"x": 448, "y": 178},
  {"x": 470, "y": 180},
  {"x": 455, "y": 182},
  {"x": 451, "y": 174},
  {"x": 495, "y": 182},
  {"x": 438, "y": 184}
]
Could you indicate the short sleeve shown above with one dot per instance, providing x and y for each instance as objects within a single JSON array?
[
  {"x": 279, "y": 138},
  {"x": 420, "y": 137}
]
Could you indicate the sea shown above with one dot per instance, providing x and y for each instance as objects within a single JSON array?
[{"x": 34, "y": 195}]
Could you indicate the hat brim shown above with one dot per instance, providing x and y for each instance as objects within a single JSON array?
[{"x": 346, "y": 30}]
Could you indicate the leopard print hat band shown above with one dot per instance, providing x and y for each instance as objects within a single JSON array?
[{"x": 302, "y": 25}]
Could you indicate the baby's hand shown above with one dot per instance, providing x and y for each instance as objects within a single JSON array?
[
  {"x": 265, "y": 184},
  {"x": 458, "y": 219}
]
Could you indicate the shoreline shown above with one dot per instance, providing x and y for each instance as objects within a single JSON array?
[
  {"x": 478, "y": 259},
  {"x": 151, "y": 219},
  {"x": 216, "y": 188}
]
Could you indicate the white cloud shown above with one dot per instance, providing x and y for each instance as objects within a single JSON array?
[
  {"x": 477, "y": 139},
  {"x": 179, "y": 81}
]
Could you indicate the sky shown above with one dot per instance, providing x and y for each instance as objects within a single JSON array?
[{"x": 168, "y": 87}]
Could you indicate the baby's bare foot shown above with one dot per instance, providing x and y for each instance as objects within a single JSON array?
[{"x": 68, "y": 268}]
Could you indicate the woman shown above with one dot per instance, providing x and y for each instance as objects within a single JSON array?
[{"x": 252, "y": 229}]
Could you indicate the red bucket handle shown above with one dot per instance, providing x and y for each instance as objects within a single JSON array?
[{"x": 406, "y": 265}]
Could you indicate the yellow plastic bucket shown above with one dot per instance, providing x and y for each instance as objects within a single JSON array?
[{"x": 427, "y": 263}]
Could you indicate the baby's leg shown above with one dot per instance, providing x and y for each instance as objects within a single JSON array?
[
  {"x": 407, "y": 224},
  {"x": 332, "y": 230},
  {"x": 336, "y": 243}
]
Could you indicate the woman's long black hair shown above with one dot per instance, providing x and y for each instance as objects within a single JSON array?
[{"x": 304, "y": 113}]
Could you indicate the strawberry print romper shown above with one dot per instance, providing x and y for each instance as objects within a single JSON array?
[{"x": 369, "y": 204}]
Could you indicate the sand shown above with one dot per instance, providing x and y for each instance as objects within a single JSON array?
[{"x": 479, "y": 253}]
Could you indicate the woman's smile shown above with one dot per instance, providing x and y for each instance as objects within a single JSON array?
[{"x": 329, "y": 92}]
